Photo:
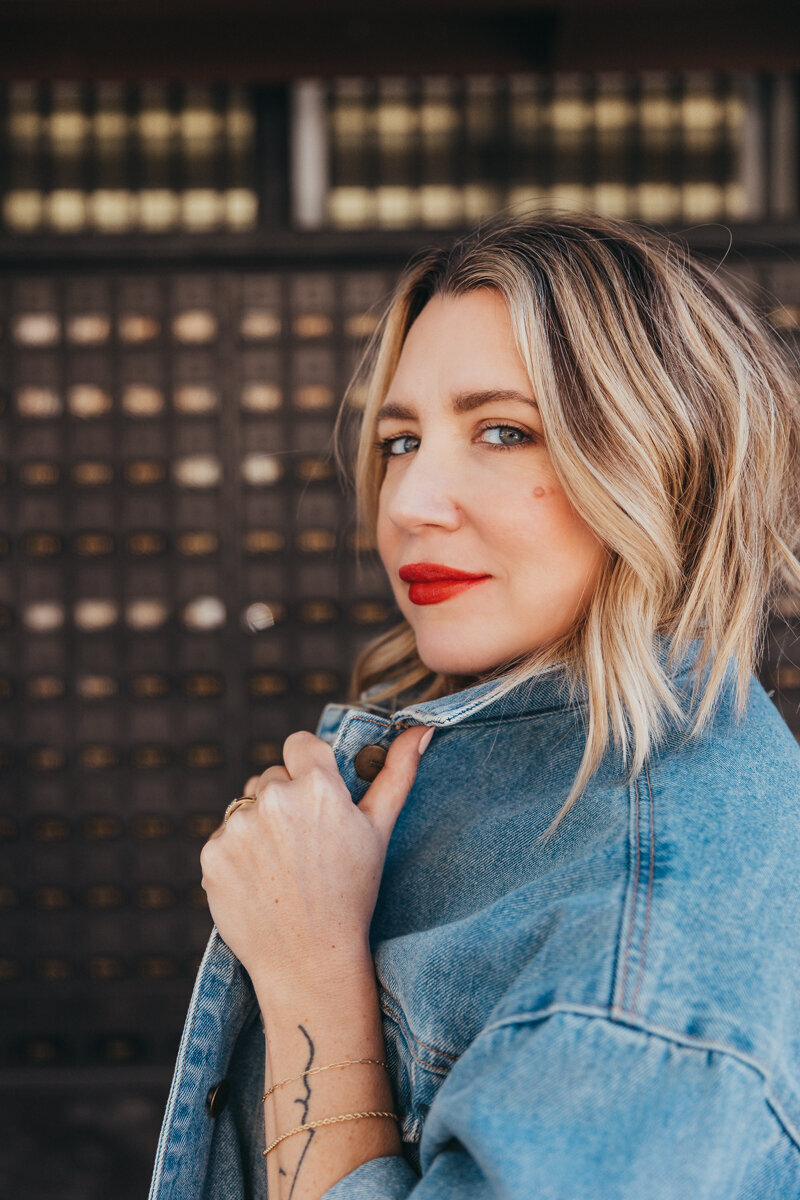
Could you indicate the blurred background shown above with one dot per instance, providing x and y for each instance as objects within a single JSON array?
[{"x": 201, "y": 206}]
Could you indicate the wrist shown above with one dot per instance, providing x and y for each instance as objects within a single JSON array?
[{"x": 321, "y": 980}]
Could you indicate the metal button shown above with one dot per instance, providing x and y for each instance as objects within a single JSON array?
[
  {"x": 369, "y": 761},
  {"x": 217, "y": 1097}
]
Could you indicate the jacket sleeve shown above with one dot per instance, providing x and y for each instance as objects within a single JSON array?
[{"x": 579, "y": 1107}]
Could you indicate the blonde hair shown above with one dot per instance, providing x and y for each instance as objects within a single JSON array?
[{"x": 670, "y": 416}]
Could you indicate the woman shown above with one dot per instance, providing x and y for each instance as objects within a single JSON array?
[{"x": 559, "y": 955}]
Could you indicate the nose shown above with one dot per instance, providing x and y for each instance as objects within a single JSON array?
[{"x": 427, "y": 490}]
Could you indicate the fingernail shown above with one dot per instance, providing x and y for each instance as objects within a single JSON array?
[{"x": 422, "y": 745}]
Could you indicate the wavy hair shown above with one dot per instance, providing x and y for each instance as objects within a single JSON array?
[{"x": 670, "y": 415}]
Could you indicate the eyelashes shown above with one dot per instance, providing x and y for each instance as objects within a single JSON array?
[{"x": 383, "y": 446}]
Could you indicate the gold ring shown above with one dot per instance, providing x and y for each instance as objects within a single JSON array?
[{"x": 234, "y": 804}]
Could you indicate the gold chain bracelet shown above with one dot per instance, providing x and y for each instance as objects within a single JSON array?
[
  {"x": 326, "y": 1121},
  {"x": 346, "y": 1063}
]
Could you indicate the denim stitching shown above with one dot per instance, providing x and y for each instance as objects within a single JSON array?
[
  {"x": 665, "y": 1033},
  {"x": 365, "y": 718},
  {"x": 640, "y": 1025},
  {"x": 455, "y": 713},
  {"x": 356, "y": 716},
  {"x": 650, "y": 875},
  {"x": 177, "y": 1083},
  {"x": 432, "y": 719},
  {"x": 482, "y": 701},
  {"x": 410, "y": 1040},
  {"x": 632, "y": 918},
  {"x": 539, "y": 715},
  {"x": 426, "y": 1045}
]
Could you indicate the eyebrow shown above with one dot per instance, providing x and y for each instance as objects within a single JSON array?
[{"x": 461, "y": 402}]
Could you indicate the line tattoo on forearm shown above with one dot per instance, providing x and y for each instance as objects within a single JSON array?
[{"x": 305, "y": 1103}]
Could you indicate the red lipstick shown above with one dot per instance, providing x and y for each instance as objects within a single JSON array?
[{"x": 434, "y": 582}]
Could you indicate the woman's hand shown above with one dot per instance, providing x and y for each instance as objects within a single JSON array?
[{"x": 293, "y": 879}]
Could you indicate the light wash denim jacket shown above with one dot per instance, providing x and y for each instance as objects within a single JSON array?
[{"x": 612, "y": 1016}]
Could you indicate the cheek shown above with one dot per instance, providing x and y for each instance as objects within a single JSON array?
[
  {"x": 382, "y": 526},
  {"x": 557, "y": 520},
  {"x": 387, "y": 544}
]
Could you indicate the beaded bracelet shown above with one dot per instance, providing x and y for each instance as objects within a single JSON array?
[{"x": 325, "y": 1121}]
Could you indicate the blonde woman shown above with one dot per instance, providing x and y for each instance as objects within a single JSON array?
[{"x": 559, "y": 955}]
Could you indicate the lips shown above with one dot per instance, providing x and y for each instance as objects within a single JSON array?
[
  {"x": 426, "y": 572},
  {"x": 430, "y": 583}
]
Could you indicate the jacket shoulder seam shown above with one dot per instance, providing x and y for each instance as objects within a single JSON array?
[{"x": 637, "y": 904}]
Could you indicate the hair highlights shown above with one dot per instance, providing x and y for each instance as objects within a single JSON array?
[{"x": 670, "y": 415}]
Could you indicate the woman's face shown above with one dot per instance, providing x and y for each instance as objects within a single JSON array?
[{"x": 474, "y": 490}]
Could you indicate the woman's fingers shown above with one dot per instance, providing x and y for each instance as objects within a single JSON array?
[
  {"x": 303, "y": 750},
  {"x": 257, "y": 782},
  {"x": 254, "y": 785}
]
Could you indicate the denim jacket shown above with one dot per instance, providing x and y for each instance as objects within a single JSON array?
[{"x": 613, "y": 1015}]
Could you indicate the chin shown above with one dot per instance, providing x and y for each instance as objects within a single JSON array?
[{"x": 456, "y": 663}]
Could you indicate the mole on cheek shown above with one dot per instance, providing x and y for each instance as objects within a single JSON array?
[{"x": 538, "y": 491}]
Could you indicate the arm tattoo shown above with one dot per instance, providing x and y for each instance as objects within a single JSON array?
[{"x": 304, "y": 1102}]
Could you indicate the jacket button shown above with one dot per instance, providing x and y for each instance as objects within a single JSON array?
[
  {"x": 369, "y": 761},
  {"x": 217, "y": 1097}
]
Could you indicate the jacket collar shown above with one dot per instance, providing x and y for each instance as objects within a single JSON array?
[{"x": 546, "y": 693}]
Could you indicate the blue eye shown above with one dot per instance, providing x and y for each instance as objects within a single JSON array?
[
  {"x": 508, "y": 445},
  {"x": 384, "y": 446}
]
